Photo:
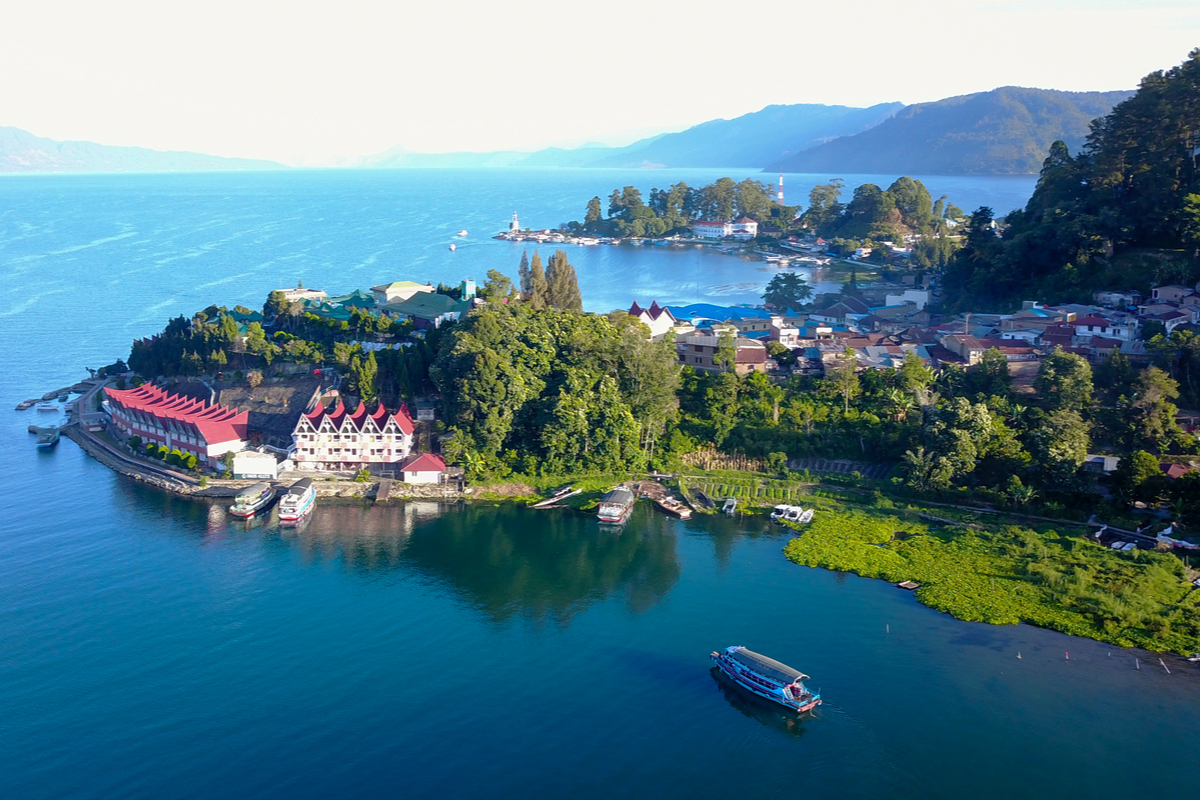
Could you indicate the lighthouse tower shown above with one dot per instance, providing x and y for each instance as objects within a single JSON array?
[
  {"x": 780, "y": 198},
  {"x": 515, "y": 227}
]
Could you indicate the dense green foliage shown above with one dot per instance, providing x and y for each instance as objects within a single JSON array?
[
  {"x": 1004, "y": 131},
  {"x": 1135, "y": 184},
  {"x": 1009, "y": 575},
  {"x": 553, "y": 391}
]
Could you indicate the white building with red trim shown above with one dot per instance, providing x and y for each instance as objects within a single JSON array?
[
  {"x": 193, "y": 427},
  {"x": 425, "y": 468},
  {"x": 336, "y": 440},
  {"x": 744, "y": 228},
  {"x": 711, "y": 230}
]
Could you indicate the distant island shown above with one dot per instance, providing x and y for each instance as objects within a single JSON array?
[{"x": 21, "y": 151}]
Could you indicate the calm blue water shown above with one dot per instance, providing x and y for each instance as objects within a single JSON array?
[{"x": 153, "y": 648}]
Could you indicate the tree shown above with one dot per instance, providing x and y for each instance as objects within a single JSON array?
[
  {"x": 917, "y": 376},
  {"x": 277, "y": 305},
  {"x": 254, "y": 378},
  {"x": 363, "y": 377},
  {"x": 824, "y": 206},
  {"x": 1191, "y": 222},
  {"x": 562, "y": 284},
  {"x": 1064, "y": 381},
  {"x": 1059, "y": 446},
  {"x": 593, "y": 216},
  {"x": 1152, "y": 410},
  {"x": 497, "y": 286},
  {"x": 524, "y": 275},
  {"x": 1138, "y": 477},
  {"x": 787, "y": 290},
  {"x": 845, "y": 377},
  {"x": 990, "y": 377},
  {"x": 539, "y": 289}
]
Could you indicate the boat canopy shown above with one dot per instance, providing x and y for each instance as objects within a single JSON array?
[
  {"x": 300, "y": 487},
  {"x": 620, "y": 495},
  {"x": 253, "y": 490},
  {"x": 767, "y": 667}
]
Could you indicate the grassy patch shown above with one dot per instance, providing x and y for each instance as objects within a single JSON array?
[{"x": 1007, "y": 574}]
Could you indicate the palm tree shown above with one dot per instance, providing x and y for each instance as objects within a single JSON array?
[{"x": 900, "y": 402}]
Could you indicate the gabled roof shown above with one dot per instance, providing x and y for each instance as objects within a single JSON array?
[
  {"x": 1093, "y": 320},
  {"x": 212, "y": 423},
  {"x": 338, "y": 417},
  {"x": 426, "y": 462},
  {"x": 428, "y": 306},
  {"x": 396, "y": 286}
]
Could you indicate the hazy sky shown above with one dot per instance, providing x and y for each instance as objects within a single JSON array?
[{"x": 307, "y": 81}]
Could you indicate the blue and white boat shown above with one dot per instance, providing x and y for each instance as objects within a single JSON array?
[
  {"x": 767, "y": 678},
  {"x": 298, "y": 501}
]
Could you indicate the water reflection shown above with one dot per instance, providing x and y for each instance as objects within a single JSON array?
[
  {"x": 756, "y": 708},
  {"x": 547, "y": 565},
  {"x": 361, "y": 536}
]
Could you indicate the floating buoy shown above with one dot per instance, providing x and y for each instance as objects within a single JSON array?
[{"x": 1018, "y": 654}]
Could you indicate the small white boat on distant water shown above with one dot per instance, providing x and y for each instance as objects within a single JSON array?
[
  {"x": 453, "y": 247},
  {"x": 462, "y": 232},
  {"x": 48, "y": 407}
]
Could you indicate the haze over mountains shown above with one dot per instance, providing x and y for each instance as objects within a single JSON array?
[
  {"x": 21, "y": 151},
  {"x": 1005, "y": 131}
]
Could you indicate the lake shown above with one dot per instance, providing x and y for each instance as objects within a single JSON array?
[{"x": 152, "y": 646}]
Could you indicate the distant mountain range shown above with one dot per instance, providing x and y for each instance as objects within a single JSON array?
[
  {"x": 751, "y": 140},
  {"x": 21, "y": 151},
  {"x": 1005, "y": 131}
]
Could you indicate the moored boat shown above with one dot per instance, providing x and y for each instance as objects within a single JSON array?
[
  {"x": 767, "y": 678},
  {"x": 47, "y": 438},
  {"x": 297, "y": 501},
  {"x": 729, "y": 506},
  {"x": 674, "y": 507},
  {"x": 48, "y": 408},
  {"x": 616, "y": 506},
  {"x": 252, "y": 499}
]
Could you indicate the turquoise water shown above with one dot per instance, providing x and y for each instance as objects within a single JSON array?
[{"x": 152, "y": 647}]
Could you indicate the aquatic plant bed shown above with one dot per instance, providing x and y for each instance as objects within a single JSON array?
[{"x": 1004, "y": 575}]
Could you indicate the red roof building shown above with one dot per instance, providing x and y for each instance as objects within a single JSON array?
[
  {"x": 340, "y": 440},
  {"x": 425, "y": 468},
  {"x": 193, "y": 427}
]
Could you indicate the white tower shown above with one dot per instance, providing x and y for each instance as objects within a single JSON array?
[
  {"x": 780, "y": 190},
  {"x": 515, "y": 227}
]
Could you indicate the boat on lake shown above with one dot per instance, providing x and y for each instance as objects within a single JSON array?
[
  {"x": 616, "y": 506},
  {"x": 462, "y": 233},
  {"x": 48, "y": 407},
  {"x": 298, "y": 501},
  {"x": 674, "y": 507},
  {"x": 453, "y": 247},
  {"x": 766, "y": 677},
  {"x": 48, "y": 438},
  {"x": 252, "y": 499},
  {"x": 729, "y": 506}
]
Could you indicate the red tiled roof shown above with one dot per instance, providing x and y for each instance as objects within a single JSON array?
[
  {"x": 1094, "y": 321},
  {"x": 1174, "y": 471},
  {"x": 426, "y": 462},
  {"x": 380, "y": 416},
  {"x": 212, "y": 423}
]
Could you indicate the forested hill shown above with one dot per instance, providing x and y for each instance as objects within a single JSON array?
[
  {"x": 751, "y": 140},
  {"x": 21, "y": 151},
  {"x": 1005, "y": 131}
]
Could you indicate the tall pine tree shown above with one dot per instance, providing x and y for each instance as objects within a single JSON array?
[
  {"x": 563, "y": 283},
  {"x": 524, "y": 275},
  {"x": 539, "y": 288}
]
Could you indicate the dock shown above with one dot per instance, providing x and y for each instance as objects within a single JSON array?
[
  {"x": 385, "y": 490},
  {"x": 559, "y": 495}
]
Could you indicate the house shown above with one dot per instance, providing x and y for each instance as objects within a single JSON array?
[
  {"x": 844, "y": 309},
  {"x": 300, "y": 293},
  {"x": 744, "y": 228},
  {"x": 425, "y": 468},
  {"x": 194, "y": 427},
  {"x": 1096, "y": 325},
  {"x": 919, "y": 297},
  {"x": 430, "y": 309},
  {"x": 338, "y": 440},
  {"x": 399, "y": 291},
  {"x": 699, "y": 349},
  {"x": 658, "y": 319},
  {"x": 1101, "y": 463},
  {"x": 1174, "y": 471},
  {"x": 1111, "y": 299},
  {"x": 783, "y": 332},
  {"x": 711, "y": 230},
  {"x": 260, "y": 463},
  {"x": 1171, "y": 293},
  {"x": 1171, "y": 319}
]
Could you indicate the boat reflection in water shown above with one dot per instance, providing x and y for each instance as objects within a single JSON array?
[{"x": 763, "y": 711}]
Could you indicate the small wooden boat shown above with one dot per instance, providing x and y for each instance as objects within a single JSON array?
[
  {"x": 48, "y": 438},
  {"x": 729, "y": 506},
  {"x": 703, "y": 499},
  {"x": 767, "y": 678},
  {"x": 673, "y": 507}
]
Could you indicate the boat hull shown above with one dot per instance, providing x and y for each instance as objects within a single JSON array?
[
  {"x": 731, "y": 671},
  {"x": 616, "y": 517},
  {"x": 298, "y": 513},
  {"x": 246, "y": 512}
]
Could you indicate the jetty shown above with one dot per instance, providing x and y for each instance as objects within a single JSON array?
[{"x": 558, "y": 496}]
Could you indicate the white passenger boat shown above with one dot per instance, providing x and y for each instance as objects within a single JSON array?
[
  {"x": 616, "y": 506},
  {"x": 252, "y": 499},
  {"x": 462, "y": 233},
  {"x": 298, "y": 501},
  {"x": 767, "y": 678}
]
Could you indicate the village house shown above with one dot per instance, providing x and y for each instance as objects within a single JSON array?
[
  {"x": 658, "y": 319},
  {"x": 1097, "y": 325},
  {"x": 425, "y": 468},
  {"x": 707, "y": 229},
  {"x": 337, "y": 440},
  {"x": 1111, "y": 299},
  {"x": 699, "y": 349},
  {"x": 300, "y": 293},
  {"x": 431, "y": 309},
  {"x": 744, "y": 228},
  {"x": 1171, "y": 293},
  {"x": 193, "y": 427},
  {"x": 399, "y": 291},
  {"x": 260, "y": 463}
]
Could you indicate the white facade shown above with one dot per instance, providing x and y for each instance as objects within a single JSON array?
[
  {"x": 918, "y": 296},
  {"x": 340, "y": 441},
  {"x": 255, "y": 464},
  {"x": 712, "y": 230}
]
